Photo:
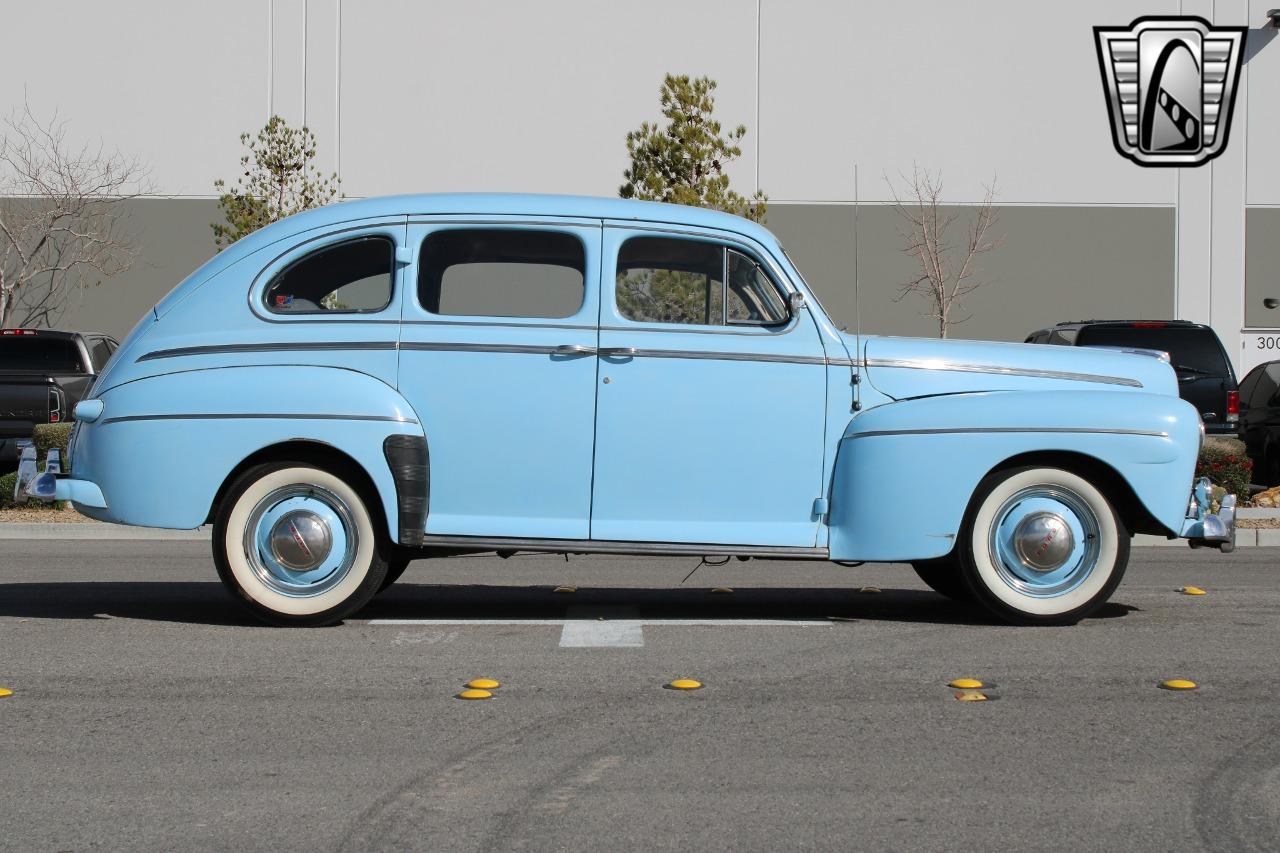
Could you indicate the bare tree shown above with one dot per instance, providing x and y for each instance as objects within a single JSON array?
[
  {"x": 946, "y": 271},
  {"x": 62, "y": 221}
]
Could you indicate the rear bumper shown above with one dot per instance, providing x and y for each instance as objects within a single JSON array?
[
  {"x": 1202, "y": 527},
  {"x": 80, "y": 492}
]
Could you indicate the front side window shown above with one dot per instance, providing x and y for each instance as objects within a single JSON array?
[
  {"x": 354, "y": 276},
  {"x": 751, "y": 298},
  {"x": 672, "y": 280},
  {"x": 502, "y": 273}
]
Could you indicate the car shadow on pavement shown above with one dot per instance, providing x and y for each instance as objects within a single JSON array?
[
  {"x": 207, "y": 603},
  {"x": 431, "y": 601}
]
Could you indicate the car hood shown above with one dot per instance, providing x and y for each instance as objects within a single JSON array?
[{"x": 915, "y": 367}]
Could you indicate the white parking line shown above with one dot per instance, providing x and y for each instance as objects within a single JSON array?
[
  {"x": 583, "y": 629},
  {"x": 592, "y": 634},
  {"x": 697, "y": 623}
]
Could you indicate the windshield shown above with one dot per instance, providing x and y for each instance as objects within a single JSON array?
[
  {"x": 1191, "y": 350},
  {"x": 32, "y": 352}
]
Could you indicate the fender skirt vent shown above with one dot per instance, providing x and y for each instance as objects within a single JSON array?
[{"x": 410, "y": 465}]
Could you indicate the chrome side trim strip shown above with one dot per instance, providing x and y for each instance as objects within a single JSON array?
[
  {"x": 965, "y": 430},
  {"x": 745, "y": 331},
  {"x": 292, "y": 346},
  {"x": 502, "y": 325},
  {"x": 728, "y": 356},
  {"x": 601, "y": 546},
  {"x": 236, "y": 416},
  {"x": 1003, "y": 371},
  {"x": 439, "y": 346},
  {"x": 434, "y": 346}
]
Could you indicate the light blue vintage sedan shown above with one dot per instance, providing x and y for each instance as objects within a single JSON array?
[{"x": 397, "y": 378}]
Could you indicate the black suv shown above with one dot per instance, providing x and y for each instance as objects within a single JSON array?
[{"x": 1205, "y": 377}]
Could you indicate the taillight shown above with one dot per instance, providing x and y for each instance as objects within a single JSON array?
[
  {"x": 25, "y": 332},
  {"x": 57, "y": 402},
  {"x": 1233, "y": 405}
]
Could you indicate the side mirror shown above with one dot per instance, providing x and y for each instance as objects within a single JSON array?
[{"x": 795, "y": 302}]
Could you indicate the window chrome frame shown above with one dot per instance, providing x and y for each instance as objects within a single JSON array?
[
  {"x": 562, "y": 228},
  {"x": 726, "y": 243},
  {"x": 392, "y": 228}
]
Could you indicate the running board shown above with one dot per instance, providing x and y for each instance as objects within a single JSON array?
[{"x": 601, "y": 546}]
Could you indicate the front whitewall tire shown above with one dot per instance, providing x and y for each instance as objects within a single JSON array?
[{"x": 995, "y": 571}]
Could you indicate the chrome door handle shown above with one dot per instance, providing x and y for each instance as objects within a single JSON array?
[
  {"x": 574, "y": 349},
  {"x": 618, "y": 352}
]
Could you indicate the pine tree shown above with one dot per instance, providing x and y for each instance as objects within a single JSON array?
[
  {"x": 683, "y": 162},
  {"x": 278, "y": 180}
]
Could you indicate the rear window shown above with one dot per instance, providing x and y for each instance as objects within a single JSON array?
[
  {"x": 32, "y": 352},
  {"x": 1190, "y": 349}
]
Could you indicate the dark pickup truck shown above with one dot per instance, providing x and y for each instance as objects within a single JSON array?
[{"x": 43, "y": 374}]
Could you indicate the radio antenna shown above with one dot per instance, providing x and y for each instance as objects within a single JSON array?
[{"x": 857, "y": 308}]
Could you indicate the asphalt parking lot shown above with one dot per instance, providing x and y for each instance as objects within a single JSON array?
[{"x": 148, "y": 713}]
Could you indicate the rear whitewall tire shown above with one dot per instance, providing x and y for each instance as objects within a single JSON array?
[
  {"x": 987, "y": 554},
  {"x": 359, "y": 570}
]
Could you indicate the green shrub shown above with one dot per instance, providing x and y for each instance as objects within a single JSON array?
[
  {"x": 47, "y": 436},
  {"x": 7, "y": 484},
  {"x": 1224, "y": 462}
]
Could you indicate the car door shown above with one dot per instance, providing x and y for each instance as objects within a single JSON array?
[
  {"x": 711, "y": 398},
  {"x": 497, "y": 356}
]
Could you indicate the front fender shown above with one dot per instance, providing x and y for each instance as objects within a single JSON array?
[
  {"x": 163, "y": 445},
  {"x": 906, "y": 471}
]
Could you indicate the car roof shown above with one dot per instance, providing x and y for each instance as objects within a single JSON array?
[
  {"x": 1183, "y": 324},
  {"x": 520, "y": 204},
  {"x": 466, "y": 204},
  {"x": 62, "y": 333}
]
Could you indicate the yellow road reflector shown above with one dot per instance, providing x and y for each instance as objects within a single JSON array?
[
  {"x": 1178, "y": 684},
  {"x": 475, "y": 694},
  {"x": 1191, "y": 590},
  {"x": 722, "y": 590},
  {"x": 685, "y": 684},
  {"x": 5, "y": 691},
  {"x": 971, "y": 696},
  {"x": 870, "y": 589},
  {"x": 483, "y": 684},
  {"x": 965, "y": 684},
  {"x": 565, "y": 589}
]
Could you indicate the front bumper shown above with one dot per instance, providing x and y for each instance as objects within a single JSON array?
[{"x": 1203, "y": 527}]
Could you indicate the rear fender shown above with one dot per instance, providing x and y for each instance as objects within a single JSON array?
[
  {"x": 164, "y": 445},
  {"x": 905, "y": 472}
]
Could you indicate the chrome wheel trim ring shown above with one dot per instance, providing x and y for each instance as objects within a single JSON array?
[
  {"x": 300, "y": 501},
  {"x": 1040, "y": 508}
]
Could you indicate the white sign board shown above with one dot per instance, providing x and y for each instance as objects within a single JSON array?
[{"x": 1258, "y": 346}]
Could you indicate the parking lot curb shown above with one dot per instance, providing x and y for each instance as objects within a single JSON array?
[{"x": 99, "y": 531}]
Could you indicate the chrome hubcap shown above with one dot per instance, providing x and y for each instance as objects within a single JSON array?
[
  {"x": 301, "y": 540},
  {"x": 1044, "y": 541}
]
